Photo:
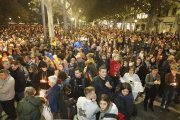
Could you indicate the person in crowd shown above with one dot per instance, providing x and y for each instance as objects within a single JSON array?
[
  {"x": 125, "y": 67},
  {"x": 103, "y": 83},
  {"x": 66, "y": 103},
  {"x": 152, "y": 83},
  {"x": 34, "y": 77},
  {"x": 134, "y": 80},
  {"x": 6, "y": 65},
  {"x": 28, "y": 60},
  {"x": 52, "y": 96},
  {"x": 63, "y": 79},
  {"x": 78, "y": 84},
  {"x": 102, "y": 60},
  {"x": 171, "y": 81},
  {"x": 141, "y": 70},
  {"x": 124, "y": 101},
  {"x": 71, "y": 67},
  {"x": 87, "y": 106},
  {"x": 43, "y": 76},
  {"x": 80, "y": 62},
  {"x": 90, "y": 71},
  {"x": 108, "y": 110},
  {"x": 20, "y": 82},
  {"x": 29, "y": 107},
  {"x": 7, "y": 93}
]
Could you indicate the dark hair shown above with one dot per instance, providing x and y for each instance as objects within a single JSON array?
[
  {"x": 105, "y": 97},
  {"x": 62, "y": 75},
  {"x": 78, "y": 69},
  {"x": 67, "y": 88},
  {"x": 123, "y": 86},
  {"x": 102, "y": 67},
  {"x": 15, "y": 62},
  {"x": 154, "y": 67},
  {"x": 43, "y": 64}
]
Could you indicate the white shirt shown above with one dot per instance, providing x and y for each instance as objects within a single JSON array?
[
  {"x": 86, "y": 109},
  {"x": 7, "y": 91}
]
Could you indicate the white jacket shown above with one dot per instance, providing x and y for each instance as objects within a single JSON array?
[{"x": 86, "y": 109}]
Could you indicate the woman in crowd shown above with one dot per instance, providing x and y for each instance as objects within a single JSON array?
[
  {"x": 124, "y": 101},
  {"x": 108, "y": 109},
  {"x": 29, "y": 107},
  {"x": 171, "y": 81},
  {"x": 33, "y": 77},
  {"x": 134, "y": 80}
]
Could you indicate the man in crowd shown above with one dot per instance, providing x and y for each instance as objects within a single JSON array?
[
  {"x": 7, "y": 94},
  {"x": 20, "y": 82},
  {"x": 78, "y": 84},
  {"x": 87, "y": 107},
  {"x": 103, "y": 83}
]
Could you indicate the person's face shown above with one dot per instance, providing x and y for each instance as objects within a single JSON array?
[
  {"x": 103, "y": 73},
  {"x": 155, "y": 71},
  {"x": 78, "y": 74},
  {"x": 104, "y": 57},
  {"x": 6, "y": 65},
  {"x": 153, "y": 59},
  {"x": 79, "y": 59},
  {"x": 93, "y": 95},
  {"x": 44, "y": 69},
  {"x": 174, "y": 71},
  {"x": 73, "y": 60},
  {"x": 125, "y": 92},
  {"x": 14, "y": 67},
  {"x": 131, "y": 71},
  {"x": 125, "y": 63},
  {"x": 61, "y": 68},
  {"x": 3, "y": 76},
  {"x": 103, "y": 105},
  {"x": 138, "y": 61}
]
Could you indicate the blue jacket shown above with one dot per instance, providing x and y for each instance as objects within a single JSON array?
[{"x": 53, "y": 98}]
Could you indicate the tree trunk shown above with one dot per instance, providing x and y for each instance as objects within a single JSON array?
[
  {"x": 65, "y": 16},
  {"x": 50, "y": 19}
]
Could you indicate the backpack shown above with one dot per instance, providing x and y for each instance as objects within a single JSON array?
[{"x": 120, "y": 116}]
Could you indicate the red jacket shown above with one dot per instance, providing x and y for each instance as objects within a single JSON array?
[{"x": 115, "y": 67}]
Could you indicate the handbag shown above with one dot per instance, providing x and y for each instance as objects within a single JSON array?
[{"x": 46, "y": 112}]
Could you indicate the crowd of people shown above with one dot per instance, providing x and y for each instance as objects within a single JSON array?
[{"x": 89, "y": 73}]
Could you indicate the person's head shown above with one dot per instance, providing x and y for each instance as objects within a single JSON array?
[
  {"x": 73, "y": 60},
  {"x": 4, "y": 74},
  {"x": 90, "y": 92},
  {"x": 125, "y": 89},
  {"x": 15, "y": 65},
  {"x": 52, "y": 80},
  {"x": 29, "y": 91},
  {"x": 103, "y": 56},
  {"x": 33, "y": 68},
  {"x": 43, "y": 66},
  {"x": 67, "y": 89},
  {"x": 78, "y": 73},
  {"x": 154, "y": 69},
  {"x": 104, "y": 102},
  {"x": 61, "y": 67},
  {"x": 131, "y": 70},
  {"x": 6, "y": 65},
  {"x": 78, "y": 58},
  {"x": 89, "y": 56},
  {"x": 62, "y": 75},
  {"x": 138, "y": 61},
  {"x": 102, "y": 71},
  {"x": 27, "y": 58},
  {"x": 125, "y": 63}
]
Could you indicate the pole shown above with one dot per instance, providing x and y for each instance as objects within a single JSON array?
[{"x": 44, "y": 21}]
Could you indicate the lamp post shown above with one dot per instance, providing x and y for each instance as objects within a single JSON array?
[{"x": 44, "y": 21}]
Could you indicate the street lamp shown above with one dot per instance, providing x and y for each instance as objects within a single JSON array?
[
  {"x": 10, "y": 19},
  {"x": 135, "y": 21}
]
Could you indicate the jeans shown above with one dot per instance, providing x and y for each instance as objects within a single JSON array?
[{"x": 168, "y": 97}]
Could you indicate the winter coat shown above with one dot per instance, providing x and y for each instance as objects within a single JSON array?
[{"x": 29, "y": 108}]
